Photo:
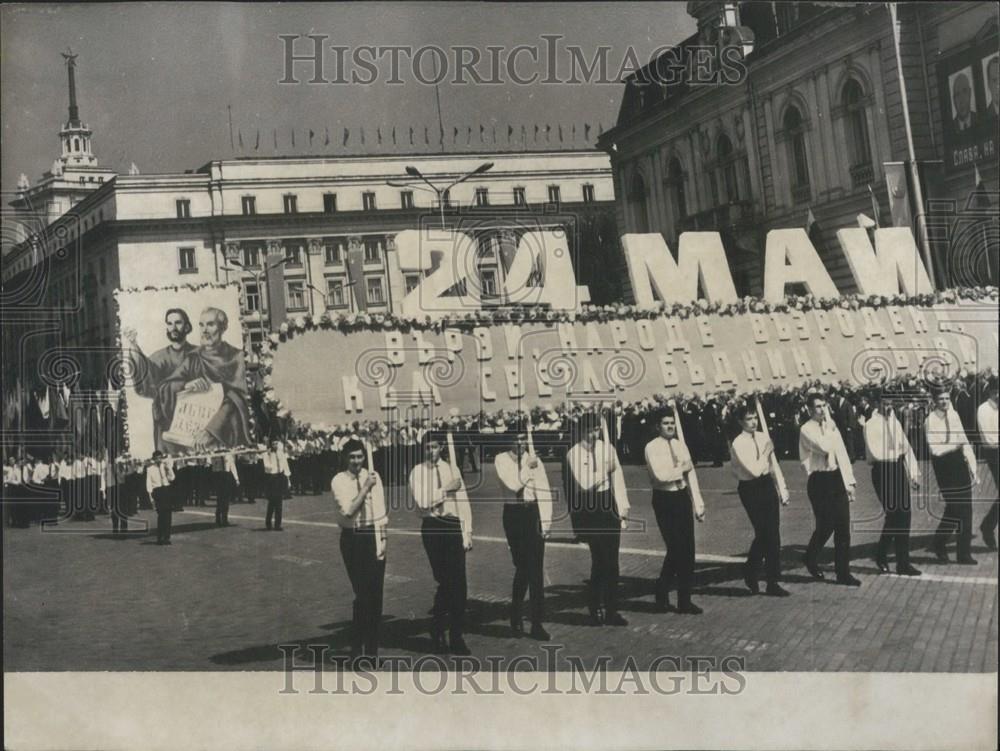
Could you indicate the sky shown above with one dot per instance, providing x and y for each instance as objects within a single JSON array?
[{"x": 155, "y": 81}]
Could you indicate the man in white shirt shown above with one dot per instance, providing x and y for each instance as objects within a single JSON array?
[
  {"x": 526, "y": 523},
  {"x": 753, "y": 463},
  {"x": 433, "y": 485},
  {"x": 79, "y": 488},
  {"x": 159, "y": 477},
  {"x": 92, "y": 485},
  {"x": 277, "y": 475},
  {"x": 668, "y": 462},
  {"x": 986, "y": 417},
  {"x": 226, "y": 480},
  {"x": 13, "y": 491},
  {"x": 830, "y": 488},
  {"x": 955, "y": 469},
  {"x": 65, "y": 482},
  {"x": 590, "y": 464},
  {"x": 894, "y": 472},
  {"x": 360, "y": 501}
]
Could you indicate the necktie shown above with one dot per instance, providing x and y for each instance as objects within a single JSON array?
[
  {"x": 947, "y": 430},
  {"x": 756, "y": 446},
  {"x": 437, "y": 475}
]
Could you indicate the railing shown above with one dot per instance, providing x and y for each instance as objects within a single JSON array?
[
  {"x": 861, "y": 174},
  {"x": 722, "y": 217}
]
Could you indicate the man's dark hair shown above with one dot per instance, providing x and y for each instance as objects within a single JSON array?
[
  {"x": 351, "y": 446},
  {"x": 743, "y": 411},
  {"x": 188, "y": 328}
]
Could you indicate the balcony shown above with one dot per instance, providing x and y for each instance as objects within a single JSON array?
[
  {"x": 861, "y": 175},
  {"x": 727, "y": 216}
]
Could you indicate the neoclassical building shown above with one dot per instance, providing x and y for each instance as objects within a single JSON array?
[{"x": 815, "y": 124}]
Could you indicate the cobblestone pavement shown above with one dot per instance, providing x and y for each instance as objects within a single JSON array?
[{"x": 77, "y": 598}]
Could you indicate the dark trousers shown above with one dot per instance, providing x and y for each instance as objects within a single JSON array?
[
  {"x": 760, "y": 500},
  {"x": 832, "y": 511},
  {"x": 955, "y": 482},
  {"x": 992, "y": 456},
  {"x": 892, "y": 485},
  {"x": 225, "y": 491},
  {"x": 164, "y": 502},
  {"x": 119, "y": 521},
  {"x": 367, "y": 575},
  {"x": 276, "y": 487},
  {"x": 442, "y": 538},
  {"x": 675, "y": 518},
  {"x": 523, "y": 527}
]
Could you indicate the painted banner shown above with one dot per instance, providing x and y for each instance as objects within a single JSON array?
[
  {"x": 186, "y": 386},
  {"x": 327, "y": 376}
]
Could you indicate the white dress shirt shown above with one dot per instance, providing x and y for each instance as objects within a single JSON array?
[
  {"x": 427, "y": 484},
  {"x": 40, "y": 473},
  {"x": 346, "y": 486},
  {"x": 275, "y": 462},
  {"x": 158, "y": 476},
  {"x": 516, "y": 476},
  {"x": 821, "y": 449},
  {"x": 65, "y": 470},
  {"x": 945, "y": 434},
  {"x": 749, "y": 458},
  {"x": 663, "y": 461},
  {"x": 986, "y": 417},
  {"x": 590, "y": 468},
  {"x": 12, "y": 474},
  {"x": 885, "y": 441}
]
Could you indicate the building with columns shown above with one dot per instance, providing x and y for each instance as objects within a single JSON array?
[{"x": 826, "y": 109}]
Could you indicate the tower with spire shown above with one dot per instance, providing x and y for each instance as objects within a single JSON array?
[{"x": 74, "y": 174}]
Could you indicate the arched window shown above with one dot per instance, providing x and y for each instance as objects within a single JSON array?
[
  {"x": 76, "y": 144},
  {"x": 675, "y": 178},
  {"x": 727, "y": 167},
  {"x": 637, "y": 197},
  {"x": 795, "y": 133},
  {"x": 856, "y": 125}
]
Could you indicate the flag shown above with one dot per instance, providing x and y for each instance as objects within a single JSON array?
[
  {"x": 454, "y": 137},
  {"x": 362, "y": 135},
  {"x": 524, "y": 134},
  {"x": 43, "y": 404},
  {"x": 468, "y": 136},
  {"x": 239, "y": 138},
  {"x": 311, "y": 134},
  {"x": 427, "y": 136},
  {"x": 441, "y": 135},
  {"x": 59, "y": 407},
  {"x": 411, "y": 135},
  {"x": 494, "y": 132},
  {"x": 347, "y": 135},
  {"x": 274, "y": 132},
  {"x": 293, "y": 138},
  {"x": 112, "y": 397},
  {"x": 810, "y": 221},
  {"x": 866, "y": 222},
  {"x": 586, "y": 132},
  {"x": 378, "y": 134},
  {"x": 393, "y": 135},
  {"x": 536, "y": 132},
  {"x": 560, "y": 133},
  {"x": 510, "y": 132},
  {"x": 548, "y": 132},
  {"x": 874, "y": 206},
  {"x": 482, "y": 129},
  {"x": 256, "y": 143},
  {"x": 326, "y": 142},
  {"x": 573, "y": 134}
]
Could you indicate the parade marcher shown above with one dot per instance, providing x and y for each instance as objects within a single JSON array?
[
  {"x": 13, "y": 491},
  {"x": 830, "y": 488},
  {"x": 754, "y": 464},
  {"x": 79, "y": 495},
  {"x": 226, "y": 480},
  {"x": 669, "y": 463},
  {"x": 52, "y": 509},
  {"x": 955, "y": 470},
  {"x": 124, "y": 496},
  {"x": 277, "y": 475},
  {"x": 159, "y": 477},
  {"x": 360, "y": 499},
  {"x": 590, "y": 463},
  {"x": 894, "y": 472},
  {"x": 986, "y": 419},
  {"x": 92, "y": 469},
  {"x": 112, "y": 488},
  {"x": 433, "y": 484},
  {"x": 527, "y": 519},
  {"x": 65, "y": 470}
]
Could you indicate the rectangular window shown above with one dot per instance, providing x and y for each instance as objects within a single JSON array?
[
  {"x": 183, "y": 209},
  {"x": 291, "y": 203},
  {"x": 249, "y": 205},
  {"x": 588, "y": 193},
  {"x": 329, "y": 203},
  {"x": 554, "y": 194},
  {"x": 482, "y": 197},
  {"x": 373, "y": 285},
  {"x": 488, "y": 280},
  {"x": 186, "y": 261},
  {"x": 406, "y": 199},
  {"x": 335, "y": 297},
  {"x": 296, "y": 295},
  {"x": 368, "y": 201},
  {"x": 373, "y": 250},
  {"x": 251, "y": 256},
  {"x": 333, "y": 251},
  {"x": 293, "y": 252},
  {"x": 411, "y": 282},
  {"x": 486, "y": 246},
  {"x": 251, "y": 295},
  {"x": 519, "y": 198}
]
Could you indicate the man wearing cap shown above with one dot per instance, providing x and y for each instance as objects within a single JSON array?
[
  {"x": 433, "y": 485},
  {"x": 360, "y": 500},
  {"x": 894, "y": 472},
  {"x": 986, "y": 418},
  {"x": 159, "y": 476},
  {"x": 955, "y": 469},
  {"x": 527, "y": 519},
  {"x": 830, "y": 488}
]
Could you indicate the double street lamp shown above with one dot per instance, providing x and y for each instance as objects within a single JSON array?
[{"x": 438, "y": 191}]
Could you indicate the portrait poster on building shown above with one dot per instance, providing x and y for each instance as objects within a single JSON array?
[
  {"x": 969, "y": 86},
  {"x": 187, "y": 389}
]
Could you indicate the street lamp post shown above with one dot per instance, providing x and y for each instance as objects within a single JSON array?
[
  {"x": 439, "y": 192},
  {"x": 257, "y": 275}
]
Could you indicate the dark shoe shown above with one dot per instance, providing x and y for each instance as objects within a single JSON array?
[
  {"x": 941, "y": 553},
  {"x": 267, "y": 527},
  {"x": 437, "y": 640},
  {"x": 967, "y": 560},
  {"x": 539, "y": 633},
  {"x": 776, "y": 590},
  {"x": 907, "y": 570},
  {"x": 460, "y": 648},
  {"x": 849, "y": 581},
  {"x": 166, "y": 542},
  {"x": 596, "y": 616},
  {"x": 814, "y": 571},
  {"x": 689, "y": 609},
  {"x": 989, "y": 539},
  {"x": 615, "y": 619},
  {"x": 279, "y": 529},
  {"x": 662, "y": 601},
  {"x": 517, "y": 625},
  {"x": 750, "y": 579},
  {"x": 883, "y": 564}
]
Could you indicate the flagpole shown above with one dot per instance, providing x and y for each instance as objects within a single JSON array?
[{"x": 229, "y": 109}]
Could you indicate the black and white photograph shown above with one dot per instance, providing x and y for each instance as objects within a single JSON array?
[{"x": 500, "y": 375}]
